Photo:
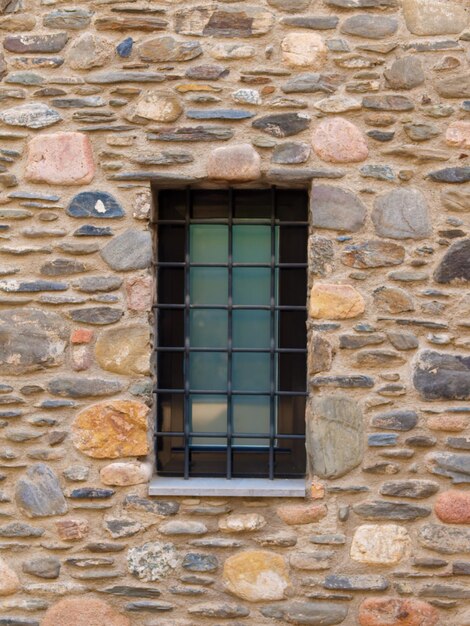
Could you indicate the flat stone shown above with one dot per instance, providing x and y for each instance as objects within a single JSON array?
[
  {"x": 416, "y": 489},
  {"x": 388, "y": 103},
  {"x": 234, "y": 163},
  {"x": 97, "y": 204},
  {"x": 167, "y": 49},
  {"x": 335, "y": 436},
  {"x": 228, "y": 51},
  {"x": 456, "y": 86},
  {"x": 403, "y": 340},
  {"x": 402, "y": 214},
  {"x": 420, "y": 132},
  {"x": 9, "y": 581},
  {"x": 337, "y": 104},
  {"x": 362, "y": 4},
  {"x": 248, "y": 522},
  {"x": 311, "y": 82},
  {"x": 444, "y": 539},
  {"x": 100, "y": 284},
  {"x": 75, "y": 612},
  {"x": 455, "y": 265},
  {"x": 109, "y": 430},
  {"x": 32, "y": 340},
  {"x": 435, "y": 17},
  {"x": 32, "y": 115},
  {"x": 180, "y": 527},
  {"x": 450, "y": 465},
  {"x": 20, "y": 529},
  {"x": 369, "y": 26},
  {"x": 282, "y": 124},
  {"x": 159, "y": 508},
  {"x": 156, "y": 106},
  {"x": 386, "y": 544},
  {"x": 256, "y": 575},
  {"x": 405, "y": 73},
  {"x": 453, "y": 507},
  {"x": 43, "y": 567},
  {"x": 337, "y": 209},
  {"x": 307, "y": 613},
  {"x": 38, "y": 493},
  {"x": 457, "y": 200},
  {"x": 124, "y": 350},
  {"x": 35, "y": 43},
  {"x": 442, "y": 376},
  {"x": 304, "y": 50},
  {"x": 197, "y": 562},
  {"x": 88, "y": 51},
  {"x": 397, "y": 612},
  {"x": 124, "y": 76},
  {"x": 189, "y": 133},
  {"x": 312, "y": 561},
  {"x": 97, "y": 315},
  {"x": 60, "y": 159},
  {"x": 336, "y": 140},
  {"x": 68, "y": 19},
  {"x": 454, "y": 175},
  {"x": 222, "y": 610},
  {"x": 373, "y": 253},
  {"x": 152, "y": 561},
  {"x": 125, "y": 474},
  {"x": 358, "y": 582},
  {"x": 130, "y": 251},
  {"x": 289, "y": 5},
  {"x": 399, "y": 419},
  {"x": 335, "y": 302},
  {"x": 223, "y": 21},
  {"x": 388, "y": 510},
  {"x": 294, "y": 514},
  {"x": 315, "y": 22},
  {"x": 82, "y": 387}
]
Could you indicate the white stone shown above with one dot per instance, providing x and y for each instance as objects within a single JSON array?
[
  {"x": 242, "y": 523},
  {"x": 304, "y": 50},
  {"x": 380, "y": 545}
]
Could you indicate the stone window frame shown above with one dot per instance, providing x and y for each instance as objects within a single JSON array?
[{"x": 220, "y": 486}]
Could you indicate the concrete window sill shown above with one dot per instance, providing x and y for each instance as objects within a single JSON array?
[{"x": 236, "y": 487}]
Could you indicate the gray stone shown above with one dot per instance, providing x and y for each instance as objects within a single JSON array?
[
  {"x": 442, "y": 376},
  {"x": 403, "y": 340},
  {"x": 353, "y": 342},
  {"x": 444, "y": 539},
  {"x": 417, "y": 131},
  {"x": 335, "y": 436},
  {"x": 358, "y": 582},
  {"x": 369, "y": 26},
  {"x": 291, "y": 152},
  {"x": 373, "y": 253},
  {"x": 97, "y": 204},
  {"x": 388, "y": 510},
  {"x": 222, "y": 610},
  {"x": 32, "y": 340},
  {"x": 388, "y": 103},
  {"x": 20, "y": 529},
  {"x": 152, "y": 561},
  {"x": 43, "y": 567},
  {"x": 455, "y": 265},
  {"x": 31, "y": 115},
  {"x": 38, "y": 493},
  {"x": 307, "y": 613},
  {"x": 435, "y": 17},
  {"x": 289, "y": 5},
  {"x": 219, "y": 114},
  {"x": 109, "y": 78},
  {"x": 311, "y": 82},
  {"x": 121, "y": 527},
  {"x": 197, "y": 562},
  {"x": 356, "y": 381},
  {"x": 282, "y": 124},
  {"x": 455, "y": 175},
  {"x": 160, "y": 508},
  {"x": 68, "y": 19},
  {"x": 398, "y": 419},
  {"x": 130, "y": 251},
  {"x": 337, "y": 209},
  {"x": 379, "y": 172},
  {"x": 450, "y": 465},
  {"x": 132, "y": 592},
  {"x": 189, "y": 133},
  {"x": 402, "y": 214},
  {"x": 382, "y": 440},
  {"x": 457, "y": 86},
  {"x": 362, "y": 4},
  {"x": 96, "y": 315},
  {"x": 315, "y": 22},
  {"x": 62, "y": 267},
  {"x": 434, "y": 590},
  {"x": 35, "y": 43},
  {"x": 81, "y": 387},
  {"x": 405, "y": 73},
  {"x": 91, "y": 284},
  {"x": 415, "y": 489}
]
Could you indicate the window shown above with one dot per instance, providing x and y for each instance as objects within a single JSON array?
[{"x": 231, "y": 333}]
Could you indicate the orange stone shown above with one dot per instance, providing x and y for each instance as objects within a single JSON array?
[
  {"x": 113, "y": 429},
  {"x": 256, "y": 575},
  {"x": 448, "y": 423},
  {"x": 396, "y": 612},
  {"x": 83, "y": 612},
  {"x": 72, "y": 529},
  {"x": 301, "y": 513},
  {"x": 335, "y": 302},
  {"x": 453, "y": 507},
  {"x": 81, "y": 335}
]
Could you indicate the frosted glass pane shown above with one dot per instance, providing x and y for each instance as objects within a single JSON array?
[
  {"x": 208, "y": 243},
  {"x": 251, "y": 415},
  {"x": 208, "y": 371},
  {"x": 251, "y": 285},
  {"x": 208, "y": 285},
  {"x": 251, "y": 329},
  {"x": 208, "y": 328},
  {"x": 251, "y": 371},
  {"x": 251, "y": 244},
  {"x": 208, "y": 415}
]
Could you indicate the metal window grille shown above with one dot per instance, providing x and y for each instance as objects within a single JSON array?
[{"x": 179, "y": 450}]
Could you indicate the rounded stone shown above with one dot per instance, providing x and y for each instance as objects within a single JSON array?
[
  {"x": 335, "y": 302},
  {"x": 336, "y": 209},
  {"x": 294, "y": 514},
  {"x": 77, "y": 612},
  {"x": 453, "y": 507},
  {"x": 60, "y": 159},
  {"x": 234, "y": 163},
  {"x": 9, "y": 581},
  {"x": 124, "y": 350},
  {"x": 337, "y": 140},
  {"x": 132, "y": 250},
  {"x": 256, "y": 575},
  {"x": 369, "y": 26},
  {"x": 152, "y": 561},
  {"x": 242, "y": 523},
  {"x": 448, "y": 423},
  {"x": 405, "y": 73},
  {"x": 88, "y": 51},
  {"x": 458, "y": 134},
  {"x": 402, "y": 214},
  {"x": 125, "y": 474},
  {"x": 435, "y": 17},
  {"x": 304, "y": 50},
  {"x": 387, "y": 544},
  {"x": 109, "y": 430},
  {"x": 392, "y": 300},
  {"x": 157, "y": 107},
  {"x": 396, "y": 612}
]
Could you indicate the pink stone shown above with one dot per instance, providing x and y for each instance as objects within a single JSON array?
[
  {"x": 60, "y": 159},
  {"x": 336, "y": 140},
  {"x": 448, "y": 423},
  {"x": 301, "y": 513},
  {"x": 453, "y": 507},
  {"x": 139, "y": 293},
  {"x": 84, "y": 611},
  {"x": 236, "y": 163},
  {"x": 9, "y": 582},
  {"x": 81, "y": 357},
  {"x": 458, "y": 134},
  {"x": 72, "y": 529},
  {"x": 81, "y": 335},
  {"x": 397, "y": 612}
]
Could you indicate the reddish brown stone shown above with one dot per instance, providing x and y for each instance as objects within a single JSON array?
[
  {"x": 453, "y": 507},
  {"x": 396, "y": 612},
  {"x": 60, "y": 159},
  {"x": 301, "y": 513},
  {"x": 81, "y": 335},
  {"x": 81, "y": 612},
  {"x": 72, "y": 529}
]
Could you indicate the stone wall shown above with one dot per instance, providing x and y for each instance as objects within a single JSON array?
[{"x": 365, "y": 102}]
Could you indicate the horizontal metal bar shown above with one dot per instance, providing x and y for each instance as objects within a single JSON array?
[
  {"x": 182, "y": 264},
  {"x": 223, "y": 392},
  {"x": 238, "y": 307},
  {"x": 224, "y": 435},
  {"x": 236, "y": 221},
  {"x": 249, "y": 350}
]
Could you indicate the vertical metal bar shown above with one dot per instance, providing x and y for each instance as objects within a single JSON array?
[
  {"x": 272, "y": 400},
  {"x": 186, "y": 366},
  {"x": 156, "y": 333},
  {"x": 229, "y": 339}
]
